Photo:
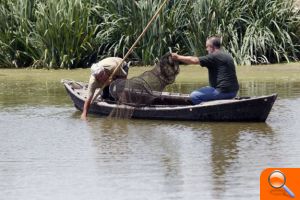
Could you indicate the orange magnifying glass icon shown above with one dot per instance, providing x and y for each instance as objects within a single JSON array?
[{"x": 277, "y": 180}]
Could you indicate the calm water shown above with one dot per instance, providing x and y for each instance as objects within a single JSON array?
[{"x": 47, "y": 152}]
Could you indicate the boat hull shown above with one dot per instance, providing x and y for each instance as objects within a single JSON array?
[{"x": 254, "y": 109}]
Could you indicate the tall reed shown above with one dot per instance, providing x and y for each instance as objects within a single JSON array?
[
  {"x": 254, "y": 31},
  {"x": 76, "y": 33},
  {"x": 64, "y": 31},
  {"x": 16, "y": 26},
  {"x": 53, "y": 33},
  {"x": 125, "y": 20}
]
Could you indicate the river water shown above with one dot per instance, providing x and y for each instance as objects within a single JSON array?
[{"x": 47, "y": 152}]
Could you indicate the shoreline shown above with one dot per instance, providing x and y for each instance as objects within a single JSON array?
[{"x": 188, "y": 73}]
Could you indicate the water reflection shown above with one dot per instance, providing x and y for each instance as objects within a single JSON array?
[
  {"x": 143, "y": 151},
  {"x": 46, "y": 148},
  {"x": 285, "y": 89},
  {"x": 20, "y": 92},
  {"x": 111, "y": 139},
  {"x": 177, "y": 155},
  {"x": 226, "y": 148}
]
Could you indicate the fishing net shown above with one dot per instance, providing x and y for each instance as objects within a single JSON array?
[{"x": 145, "y": 89}]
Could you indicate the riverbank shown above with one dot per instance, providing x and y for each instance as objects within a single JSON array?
[{"x": 188, "y": 74}]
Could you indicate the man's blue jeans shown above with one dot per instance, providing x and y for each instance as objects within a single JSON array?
[{"x": 209, "y": 93}]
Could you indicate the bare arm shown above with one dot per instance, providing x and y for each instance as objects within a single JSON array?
[
  {"x": 86, "y": 107},
  {"x": 193, "y": 60}
]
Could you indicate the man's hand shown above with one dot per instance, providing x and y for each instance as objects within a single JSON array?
[
  {"x": 175, "y": 56},
  {"x": 83, "y": 116},
  {"x": 86, "y": 107},
  {"x": 191, "y": 60}
]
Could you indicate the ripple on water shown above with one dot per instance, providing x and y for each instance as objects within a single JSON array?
[{"x": 45, "y": 147}]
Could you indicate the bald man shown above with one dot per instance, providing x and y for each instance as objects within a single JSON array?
[{"x": 223, "y": 83}]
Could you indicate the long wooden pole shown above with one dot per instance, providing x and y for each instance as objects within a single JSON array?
[{"x": 131, "y": 49}]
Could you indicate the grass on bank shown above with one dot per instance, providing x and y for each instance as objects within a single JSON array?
[{"x": 188, "y": 73}]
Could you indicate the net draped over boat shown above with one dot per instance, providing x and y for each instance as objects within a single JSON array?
[{"x": 144, "y": 89}]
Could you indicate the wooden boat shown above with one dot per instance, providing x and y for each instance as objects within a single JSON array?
[{"x": 175, "y": 106}]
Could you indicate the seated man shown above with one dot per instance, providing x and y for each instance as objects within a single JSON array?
[
  {"x": 223, "y": 83},
  {"x": 100, "y": 73}
]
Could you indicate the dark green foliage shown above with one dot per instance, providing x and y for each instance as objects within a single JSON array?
[{"x": 76, "y": 33}]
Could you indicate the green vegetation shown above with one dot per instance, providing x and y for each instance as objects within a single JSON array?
[
  {"x": 75, "y": 33},
  {"x": 51, "y": 34},
  {"x": 188, "y": 74}
]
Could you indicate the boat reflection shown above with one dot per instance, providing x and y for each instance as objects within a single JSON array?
[{"x": 175, "y": 154}]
